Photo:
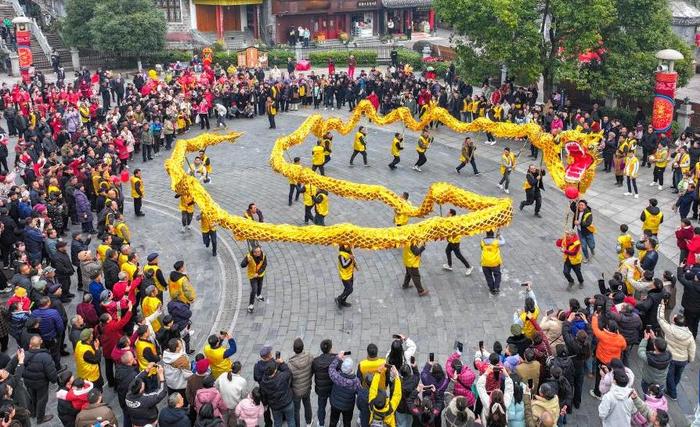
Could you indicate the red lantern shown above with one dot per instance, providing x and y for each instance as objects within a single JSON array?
[
  {"x": 125, "y": 176},
  {"x": 571, "y": 192}
]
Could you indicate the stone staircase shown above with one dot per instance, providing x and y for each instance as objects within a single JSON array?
[
  {"x": 56, "y": 42},
  {"x": 233, "y": 40}
]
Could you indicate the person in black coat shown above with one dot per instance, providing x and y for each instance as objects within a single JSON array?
[
  {"x": 322, "y": 381},
  {"x": 78, "y": 245},
  {"x": 174, "y": 415},
  {"x": 39, "y": 371},
  {"x": 276, "y": 387},
  {"x": 649, "y": 307},
  {"x": 125, "y": 373},
  {"x": 111, "y": 268},
  {"x": 64, "y": 268}
]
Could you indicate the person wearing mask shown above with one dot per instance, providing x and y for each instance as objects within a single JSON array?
[
  {"x": 142, "y": 406},
  {"x": 276, "y": 388},
  {"x": 322, "y": 380},
  {"x": 39, "y": 371},
  {"x": 411, "y": 259},
  {"x": 300, "y": 367},
  {"x": 346, "y": 385},
  {"x": 232, "y": 387}
]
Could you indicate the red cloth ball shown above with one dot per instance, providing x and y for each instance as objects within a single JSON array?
[{"x": 571, "y": 192}]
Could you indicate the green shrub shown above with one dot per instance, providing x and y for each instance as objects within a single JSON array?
[
  {"x": 279, "y": 57},
  {"x": 412, "y": 58},
  {"x": 363, "y": 57},
  {"x": 166, "y": 56},
  {"x": 625, "y": 116},
  {"x": 224, "y": 59},
  {"x": 440, "y": 68}
]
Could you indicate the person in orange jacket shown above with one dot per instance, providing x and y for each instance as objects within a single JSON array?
[
  {"x": 570, "y": 247},
  {"x": 610, "y": 346}
]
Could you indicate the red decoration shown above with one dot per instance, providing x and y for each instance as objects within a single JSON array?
[
  {"x": 571, "y": 192},
  {"x": 125, "y": 176},
  {"x": 664, "y": 95}
]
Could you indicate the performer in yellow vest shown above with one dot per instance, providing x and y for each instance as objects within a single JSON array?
[
  {"x": 453, "y": 247},
  {"x": 424, "y": 141},
  {"x": 156, "y": 272},
  {"x": 146, "y": 351},
  {"x": 631, "y": 173},
  {"x": 652, "y": 217},
  {"x": 346, "y": 271},
  {"x": 508, "y": 162},
  {"x": 401, "y": 218},
  {"x": 491, "y": 260},
  {"x": 327, "y": 144},
  {"x": 359, "y": 145},
  {"x": 150, "y": 305},
  {"x": 660, "y": 159},
  {"x": 121, "y": 228},
  {"x": 179, "y": 286},
  {"x": 310, "y": 192},
  {"x": 256, "y": 264},
  {"x": 103, "y": 247},
  {"x": 208, "y": 229},
  {"x": 570, "y": 247},
  {"x": 411, "y": 260},
  {"x": 396, "y": 147},
  {"x": 186, "y": 211},
  {"x": 137, "y": 191},
  {"x": 318, "y": 159},
  {"x": 624, "y": 241},
  {"x": 321, "y": 204},
  {"x": 87, "y": 358},
  {"x": 205, "y": 161},
  {"x": 131, "y": 266},
  {"x": 680, "y": 166},
  {"x": 218, "y": 355},
  {"x": 466, "y": 155}
]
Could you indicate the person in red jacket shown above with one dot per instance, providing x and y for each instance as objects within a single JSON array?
[
  {"x": 110, "y": 330},
  {"x": 693, "y": 248},
  {"x": 21, "y": 297},
  {"x": 684, "y": 233},
  {"x": 610, "y": 346}
]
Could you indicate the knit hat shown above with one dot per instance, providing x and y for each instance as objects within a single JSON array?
[
  {"x": 20, "y": 291},
  {"x": 38, "y": 284},
  {"x": 152, "y": 256},
  {"x": 105, "y": 295},
  {"x": 201, "y": 366},
  {"x": 265, "y": 350},
  {"x": 516, "y": 329},
  {"x": 85, "y": 334},
  {"x": 49, "y": 269},
  {"x": 347, "y": 366}
]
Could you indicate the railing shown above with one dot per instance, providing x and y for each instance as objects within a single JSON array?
[{"x": 36, "y": 30}]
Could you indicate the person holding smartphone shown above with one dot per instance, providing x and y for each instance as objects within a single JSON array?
[{"x": 346, "y": 385}]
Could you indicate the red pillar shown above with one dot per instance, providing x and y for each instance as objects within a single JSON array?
[
  {"x": 219, "y": 22},
  {"x": 431, "y": 19}
]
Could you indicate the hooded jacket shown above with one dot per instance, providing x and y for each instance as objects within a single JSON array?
[
  {"x": 450, "y": 414},
  {"x": 176, "y": 368},
  {"x": 606, "y": 381},
  {"x": 39, "y": 369},
  {"x": 345, "y": 387},
  {"x": 248, "y": 412},
  {"x": 319, "y": 368},
  {"x": 610, "y": 344},
  {"x": 630, "y": 325},
  {"x": 143, "y": 408},
  {"x": 173, "y": 417},
  {"x": 616, "y": 407},
  {"x": 212, "y": 396},
  {"x": 277, "y": 389},
  {"x": 300, "y": 367},
  {"x": 655, "y": 367},
  {"x": 679, "y": 339},
  {"x": 465, "y": 379}
]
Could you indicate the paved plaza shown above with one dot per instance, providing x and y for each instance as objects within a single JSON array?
[{"x": 302, "y": 281}]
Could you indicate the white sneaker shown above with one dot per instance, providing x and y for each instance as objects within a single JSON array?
[
  {"x": 506, "y": 191},
  {"x": 651, "y": 184},
  {"x": 636, "y": 196},
  {"x": 627, "y": 193},
  {"x": 183, "y": 229},
  {"x": 260, "y": 298},
  {"x": 414, "y": 167},
  {"x": 418, "y": 169},
  {"x": 661, "y": 187},
  {"x": 469, "y": 271},
  {"x": 250, "y": 308},
  {"x": 446, "y": 267},
  {"x": 500, "y": 186}
]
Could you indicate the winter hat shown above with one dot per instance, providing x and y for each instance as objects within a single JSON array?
[
  {"x": 265, "y": 350},
  {"x": 38, "y": 284},
  {"x": 20, "y": 291},
  {"x": 347, "y": 366},
  {"x": 516, "y": 329},
  {"x": 152, "y": 256},
  {"x": 85, "y": 334},
  {"x": 201, "y": 366},
  {"x": 105, "y": 295}
]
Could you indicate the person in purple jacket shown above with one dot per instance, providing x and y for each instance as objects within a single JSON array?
[
  {"x": 345, "y": 388},
  {"x": 50, "y": 327},
  {"x": 83, "y": 209}
]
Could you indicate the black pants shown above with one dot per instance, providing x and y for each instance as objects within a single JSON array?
[
  {"x": 271, "y": 119},
  {"x": 210, "y": 237},
  {"x": 454, "y": 247},
  {"x": 65, "y": 284},
  {"x": 395, "y": 162},
  {"x": 138, "y": 202},
  {"x": 472, "y": 162},
  {"x": 659, "y": 175},
  {"x": 347, "y": 289},
  {"x": 292, "y": 189},
  {"x": 308, "y": 214},
  {"x": 578, "y": 384},
  {"x": 577, "y": 270},
  {"x": 203, "y": 121},
  {"x": 186, "y": 218},
  {"x": 530, "y": 198},
  {"x": 691, "y": 319},
  {"x": 607, "y": 161},
  {"x": 256, "y": 284},
  {"x": 320, "y": 219},
  {"x": 146, "y": 153},
  {"x": 80, "y": 277},
  {"x": 308, "y": 414},
  {"x": 355, "y": 153},
  {"x": 335, "y": 417},
  {"x": 421, "y": 160},
  {"x": 6, "y": 251},
  {"x": 596, "y": 367},
  {"x": 632, "y": 184},
  {"x": 109, "y": 372},
  {"x": 38, "y": 397},
  {"x": 320, "y": 168},
  {"x": 413, "y": 273},
  {"x": 493, "y": 277}
]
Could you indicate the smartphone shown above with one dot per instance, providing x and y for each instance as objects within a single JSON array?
[
  {"x": 278, "y": 355},
  {"x": 458, "y": 346},
  {"x": 648, "y": 328},
  {"x": 223, "y": 333},
  {"x": 396, "y": 336},
  {"x": 550, "y": 312},
  {"x": 481, "y": 345},
  {"x": 431, "y": 357},
  {"x": 524, "y": 284},
  {"x": 413, "y": 360},
  {"x": 347, "y": 353}
]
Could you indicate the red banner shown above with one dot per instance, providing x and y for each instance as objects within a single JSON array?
[
  {"x": 24, "y": 38},
  {"x": 25, "y": 56},
  {"x": 664, "y": 95}
]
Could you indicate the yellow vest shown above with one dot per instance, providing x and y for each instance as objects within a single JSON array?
[
  {"x": 122, "y": 259},
  {"x": 185, "y": 205},
  {"x": 345, "y": 272},
  {"x": 317, "y": 156},
  {"x": 85, "y": 370},
  {"x": 507, "y": 161},
  {"x": 176, "y": 289},
  {"x": 129, "y": 269},
  {"x": 322, "y": 206},
  {"x": 661, "y": 157},
  {"x": 205, "y": 225},
  {"x": 150, "y": 305},
  {"x": 396, "y": 147},
  {"x": 409, "y": 259},
  {"x": 357, "y": 145},
  {"x": 155, "y": 268},
  {"x": 454, "y": 239},
  {"x": 206, "y": 162},
  {"x": 140, "y": 346},
  {"x": 684, "y": 163},
  {"x": 219, "y": 365},
  {"x": 490, "y": 254},
  {"x": 102, "y": 251},
  {"x": 423, "y": 144},
  {"x": 123, "y": 231},
  {"x": 309, "y": 195},
  {"x": 253, "y": 267},
  {"x": 571, "y": 247},
  {"x": 625, "y": 242},
  {"x": 400, "y": 219},
  {"x": 134, "y": 181},
  {"x": 327, "y": 144},
  {"x": 652, "y": 222}
]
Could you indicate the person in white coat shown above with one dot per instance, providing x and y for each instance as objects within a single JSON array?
[
  {"x": 616, "y": 408},
  {"x": 232, "y": 387},
  {"x": 176, "y": 367}
]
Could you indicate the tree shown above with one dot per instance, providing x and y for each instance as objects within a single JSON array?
[
  {"x": 132, "y": 27},
  {"x": 530, "y": 37},
  {"x": 75, "y": 28},
  {"x": 627, "y": 66}
]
